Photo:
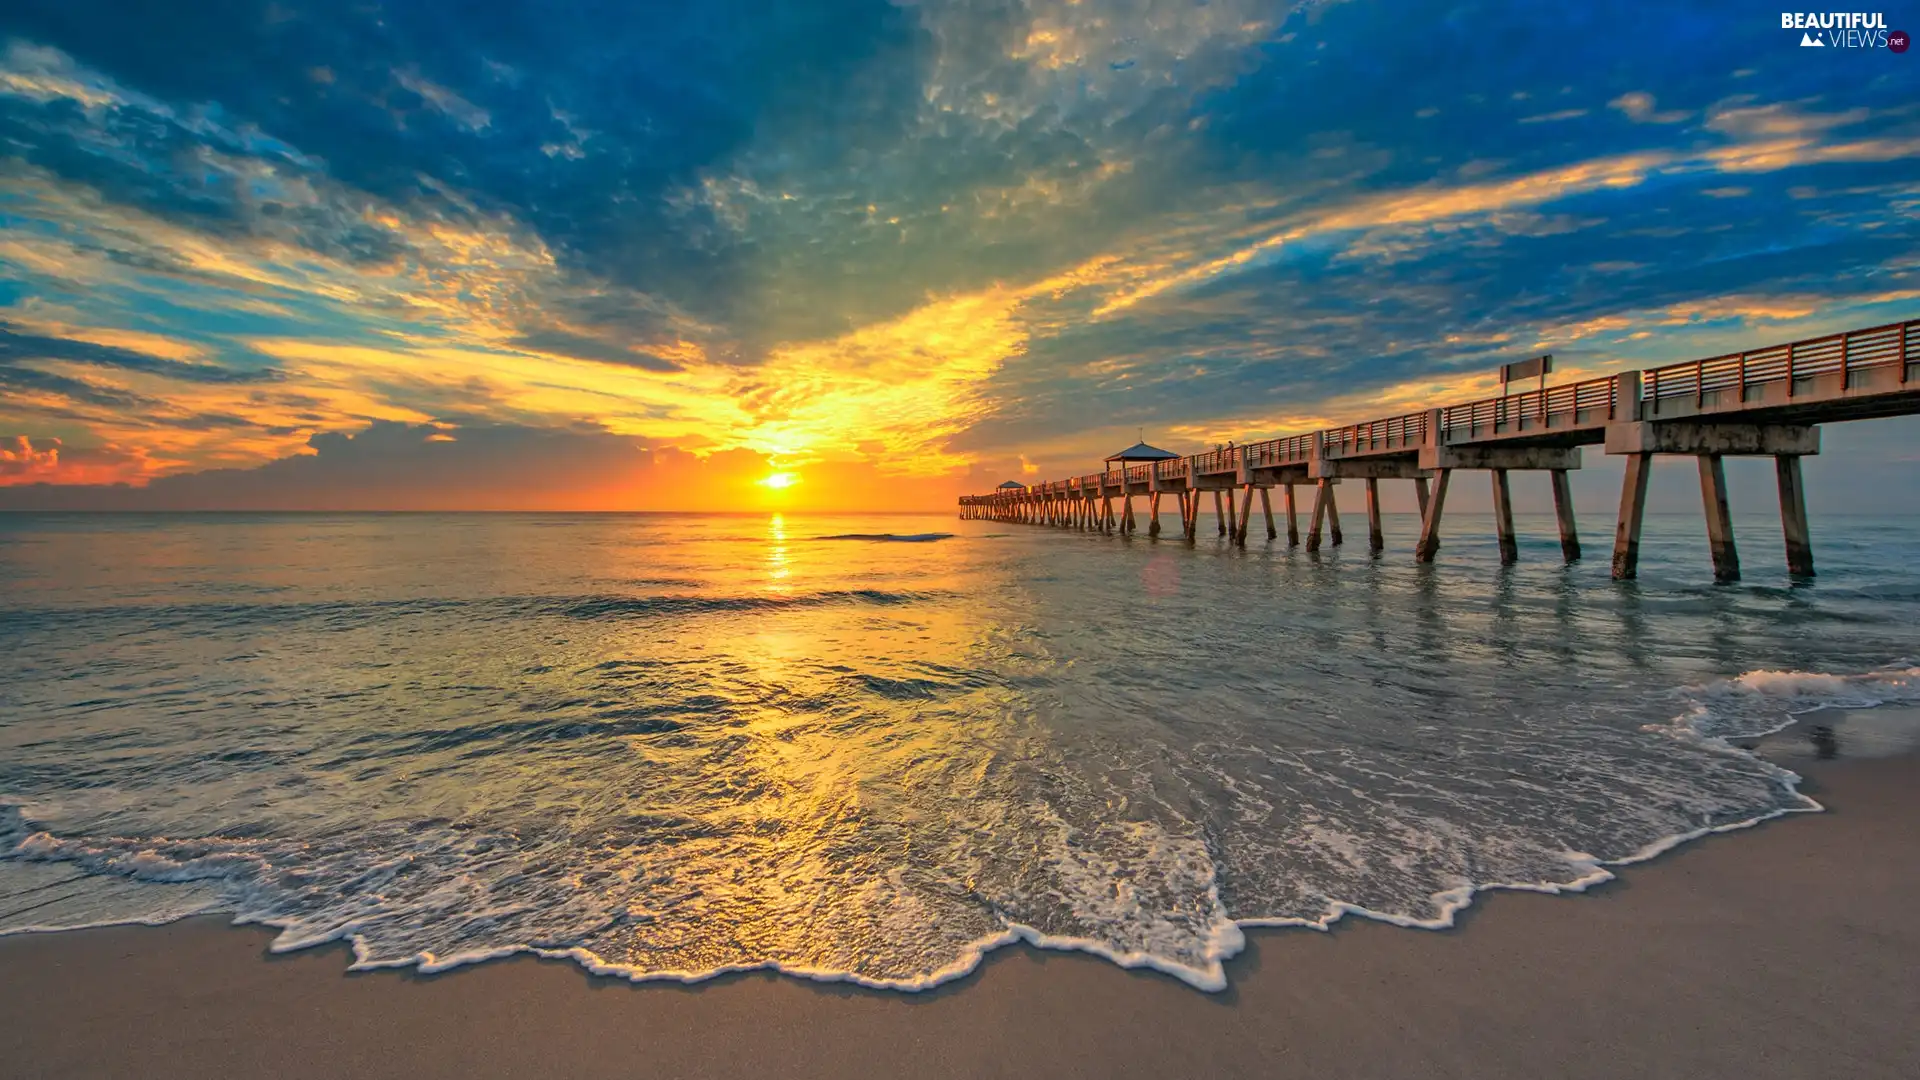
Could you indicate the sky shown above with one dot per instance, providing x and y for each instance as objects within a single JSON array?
[{"x": 598, "y": 256}]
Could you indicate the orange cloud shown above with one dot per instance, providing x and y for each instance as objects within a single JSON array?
[{"x": 48, "y": 461}]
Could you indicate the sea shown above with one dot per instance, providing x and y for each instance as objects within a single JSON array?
[{"x": 875, "y": 748}]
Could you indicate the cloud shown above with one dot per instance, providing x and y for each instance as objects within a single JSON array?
[
  {"x": 452, "y": 105},
  {"x": 400, "y": 466},
  {"x": 17, "y": 349},
  {"x": 562, "y": 343},
  {"x": 1639, "y": 108},
  {"x": 48, "y": 461},
  {"x": 923, "y": 241}
]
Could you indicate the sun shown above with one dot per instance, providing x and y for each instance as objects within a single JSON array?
[{"x": 779, "y": 480}]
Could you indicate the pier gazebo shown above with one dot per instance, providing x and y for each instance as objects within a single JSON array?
[
  {"x": 1139, "y": 452},
  {"x": 1142, "y": 452}
]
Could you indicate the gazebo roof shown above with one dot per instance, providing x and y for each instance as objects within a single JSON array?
[
  {"x": 1011, "y": 485},
  {"x": 1142, "y": 452}
]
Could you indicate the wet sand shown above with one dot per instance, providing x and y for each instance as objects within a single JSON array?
[{"x": 1789, "y": 950}]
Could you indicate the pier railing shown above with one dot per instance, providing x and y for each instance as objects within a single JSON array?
[
  {"x": 1287, "y": 450},
  {"x": 1555, "y": 406},
  {"x": 1895, "y": 345},
  {"x": 1394, "y": 433}
]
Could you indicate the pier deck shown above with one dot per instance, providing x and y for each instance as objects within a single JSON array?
[{"x": 1767, "y": 401}]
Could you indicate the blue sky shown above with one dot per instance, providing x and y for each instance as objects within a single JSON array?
[{"x": 648, "y": 252}]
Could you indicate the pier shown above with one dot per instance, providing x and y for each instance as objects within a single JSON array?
[{"x": 1766, "y": 401}]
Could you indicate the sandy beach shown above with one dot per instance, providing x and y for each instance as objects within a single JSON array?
[{"x": 1787, "y": 950}]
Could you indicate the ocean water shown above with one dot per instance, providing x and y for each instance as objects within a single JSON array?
[{"x": 873, "y": 748}]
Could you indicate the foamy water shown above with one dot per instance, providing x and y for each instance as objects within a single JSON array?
[{"x": 872, "y": 749}]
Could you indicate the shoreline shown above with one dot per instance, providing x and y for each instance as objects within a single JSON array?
[{"x": 1782, "y": 949}]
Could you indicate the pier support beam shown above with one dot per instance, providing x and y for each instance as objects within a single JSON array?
[
  {"x": 1633, "y": 511},
  {"x": 1293, "y": 520},
  {"x": 1376, "y": 539},
  {"x": 1126, "y": 514},
  {"x": 1430, "y": 521},
  {"x": 1153, "y": 514},
  {"x": 1266, "y": 508},
  {"x": 1503, "y": 519},
  {"x": 1246, "y": 517},
  {"x": 1219, "y": 514},
  {"x": 1713, "y": 494},
  {"x": 1420, "y": 494},
  {"x": 1708, "y": 437},
  {"x": 1563, "y": 513},
  {"x": 1333, "y": 514},
  {"x": 1190, "y": 515},
  {"x": 1793, "y": 515}
]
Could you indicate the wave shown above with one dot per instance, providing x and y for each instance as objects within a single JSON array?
[
  {"x": 1762, "y": 702},
  {"x": 895, "y": 538},
  {"x": 341, "y": 613},
  {"x": 597, "y": 607},
  {"x": 1134, "y": 893}
]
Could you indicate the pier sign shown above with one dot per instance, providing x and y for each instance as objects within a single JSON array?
[{"x": 1537, "y": 368}]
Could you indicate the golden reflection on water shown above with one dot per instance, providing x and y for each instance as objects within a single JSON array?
[{"x": 778, "y": 570}]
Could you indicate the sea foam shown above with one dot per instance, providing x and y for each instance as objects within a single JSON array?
[{"x": 1144, "y": 897}]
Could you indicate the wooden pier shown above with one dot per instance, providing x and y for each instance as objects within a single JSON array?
[{"x": 1763, "y": 402}]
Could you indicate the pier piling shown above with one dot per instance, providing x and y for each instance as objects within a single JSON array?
[
  {"x": 1153, "y": 514},
  {"x": 1219, "y": 513},
  {"x": 1429, "y": 543},
  {"x": 1563, "y": 513},
  {"x": 1376, "y": 539},
  {"x": 1320, "y": 493},
  {"x": 1266, "y": 508},
  {"x": 1633, "y": 511},
  {"x": 1245, "y": 517},
  {"x": 1293, "y": 520},
  {"x": 1713, "y": 494},
  {"x": 1503, "y": 518},
  {"x": 1793, "y": 515}
]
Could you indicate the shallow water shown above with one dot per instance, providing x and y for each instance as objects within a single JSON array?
[{"x": 673, "y": 746}]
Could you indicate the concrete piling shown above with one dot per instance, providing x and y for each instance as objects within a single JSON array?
[
  {"x": 1376, "y": 538},
  {"x": 1503, "y": 519},
  {"x": 1713, "y": 495},
  {"x": 1563, "y": 513},
  {"x": 1633, "y": 512},
  {"x": 1429, "y": 544},
  {"x": 1266, "y": 508},
  {"x": 1793, "y": 515},
  {"x": 1293, "y": 520},
  {"x": 1320, "y": 493}
]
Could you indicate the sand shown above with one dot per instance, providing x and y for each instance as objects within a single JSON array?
[{"x": 1789, "y": 950}]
